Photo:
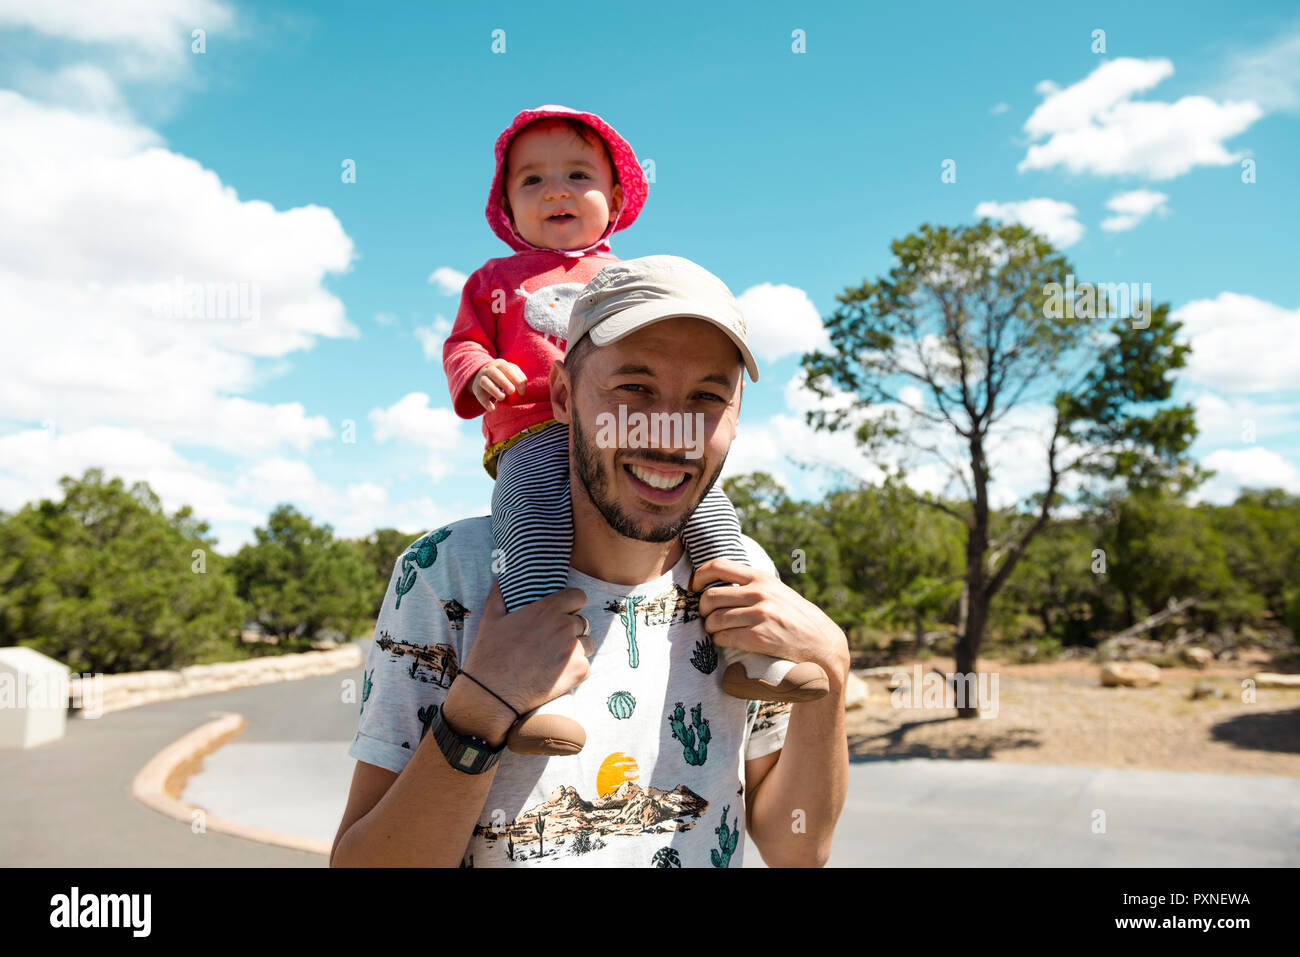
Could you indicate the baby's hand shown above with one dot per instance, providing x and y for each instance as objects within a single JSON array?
[{"x": 495, "y": 379}]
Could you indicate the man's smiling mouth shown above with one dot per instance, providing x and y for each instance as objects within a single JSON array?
[{"x": 666, "y": 481}]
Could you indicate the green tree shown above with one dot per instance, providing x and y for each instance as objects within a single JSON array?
[
  {"x": 803, "y": 549},
  {"x": 1260, "y": 534},
  {"x": 298, "y": 578},
  {"x": 866, "y": 556},
  {"x": 379, "y": 552},
  {"x": 904, "y": 561},
  {"x": 963, "y": 331},
  {"x": 1158, "y": 549},
  {"x": 105, "y": 581},
  {"x": 1063, "y": 581}
]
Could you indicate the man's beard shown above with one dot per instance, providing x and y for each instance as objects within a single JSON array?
[{"x": 587, "y": 462}]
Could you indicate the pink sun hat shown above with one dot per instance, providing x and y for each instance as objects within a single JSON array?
[{"x": 630, "y": 175}]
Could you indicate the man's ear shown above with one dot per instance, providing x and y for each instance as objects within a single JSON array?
[{"x": 561, "y": 394}]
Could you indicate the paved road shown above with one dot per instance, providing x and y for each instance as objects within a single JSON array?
[
  {"x": 69, "y": 803},
  {"x": 915, "y": 812}
]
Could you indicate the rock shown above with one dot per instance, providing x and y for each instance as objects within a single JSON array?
[
  {"x": 1129, "y": 674},
  {"x": 1197, "y": 657},
  {"x": 1268, "y": 680},
  {"x": 1205, "y": 691},
  {"x": 855, "y": 692}
]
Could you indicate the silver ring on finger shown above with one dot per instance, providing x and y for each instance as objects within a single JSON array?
[{"x": 586, "y": 626}]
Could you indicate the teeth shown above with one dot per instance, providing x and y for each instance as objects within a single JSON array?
[{"x": 655, "y": 480}]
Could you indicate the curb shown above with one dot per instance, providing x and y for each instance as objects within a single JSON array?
[
  {"x": 133, "y": 689},
  {"x": 159, "y": 784}
]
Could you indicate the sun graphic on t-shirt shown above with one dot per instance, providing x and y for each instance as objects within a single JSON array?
[{"x": 614, "y": 770}]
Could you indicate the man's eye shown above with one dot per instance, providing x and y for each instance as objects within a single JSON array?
[
  {"x": 712, "y": 395},
  {"x": 632, "y": 385}
]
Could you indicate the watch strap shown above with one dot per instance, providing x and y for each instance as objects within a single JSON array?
[{"x": 464, "y": 752}]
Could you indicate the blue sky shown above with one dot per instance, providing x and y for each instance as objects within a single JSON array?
[{"x": 134, "y": 159}]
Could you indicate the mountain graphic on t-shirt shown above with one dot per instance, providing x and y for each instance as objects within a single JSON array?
[
  {"x": 677, "y": 605},
  {"x": 628, "y": 809},
  {"x": 435, "y": 663}
]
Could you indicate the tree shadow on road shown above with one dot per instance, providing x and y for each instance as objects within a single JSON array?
[
  {"x": 980, "y": 742},
  {"x": 1265, "y": 731}
]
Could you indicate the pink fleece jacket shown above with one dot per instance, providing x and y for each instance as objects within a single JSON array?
[{"x": 516, "y": 308}]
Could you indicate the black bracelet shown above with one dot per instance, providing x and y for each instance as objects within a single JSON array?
[{"x": 517, "y": 715}]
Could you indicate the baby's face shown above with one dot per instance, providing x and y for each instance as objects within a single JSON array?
[{"x": 560, "y": 188}]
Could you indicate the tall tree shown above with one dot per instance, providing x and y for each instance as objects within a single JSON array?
[
  {"x": 969, "y": 327},
  {"x": 104, "y": 581},
  {"x": 298, "y": 578}
]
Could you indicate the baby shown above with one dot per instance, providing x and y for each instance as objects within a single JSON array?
[{"x": 565, "y": 181}]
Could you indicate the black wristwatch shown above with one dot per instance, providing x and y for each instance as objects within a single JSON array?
[{"x": 464, "y": 752}]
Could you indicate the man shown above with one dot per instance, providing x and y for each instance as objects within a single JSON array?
[{"x": 660, "y": 781}]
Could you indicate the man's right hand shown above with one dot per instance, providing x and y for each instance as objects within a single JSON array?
[{"x": 529, "y": 656}]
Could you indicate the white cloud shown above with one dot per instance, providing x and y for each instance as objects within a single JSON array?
[
  {"x": 778, "y": 444},
  {"x": 449, "y": 281},
  {"x": 385, "y": 318},
  {"x": 1050, "y": 218},
  {"x": 783, "y": 444},
  {"x": 781, "y": 320},
  {"x": 107, "y": 234},
  {"x": 103, "y": 226},
  {"x": 1095, "y": 126},
  {"x": 142, "y": 37},
  {"x": 83, "y": 87},
  {"x": 432, "y": 337},
  {"x": 1131, "y": 208},
  {"x": 1237, "y": 420},
  {"x": 353, "y": 511},
  {"x": 412, "y": 420},
  {"x": 35, "y": 459},
  {"x": 998, "y": 109},
  {"x": 911, "y": 396},
  {"x": 1245, "y": 468},
  {"x": 1269, "y": 74},
  {"x": 1240, "y": 343}
]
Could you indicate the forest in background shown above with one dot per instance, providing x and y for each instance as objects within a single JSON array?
[{"x": 105, "y": 580}]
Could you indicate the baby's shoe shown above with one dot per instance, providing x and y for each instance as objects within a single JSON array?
[
  {"x": 548, "y": 730},
  {"x": 764, "y": 678}
]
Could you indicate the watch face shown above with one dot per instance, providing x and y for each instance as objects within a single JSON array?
[{"x": 468, "y": 757}]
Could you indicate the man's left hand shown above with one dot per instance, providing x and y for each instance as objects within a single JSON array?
[{"x": 760, "y": 613}]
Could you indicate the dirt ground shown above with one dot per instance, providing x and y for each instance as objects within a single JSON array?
[{"x": 1058, "y": 713}]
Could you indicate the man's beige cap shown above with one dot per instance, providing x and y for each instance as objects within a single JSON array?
[{"x": 627, "y": 295}]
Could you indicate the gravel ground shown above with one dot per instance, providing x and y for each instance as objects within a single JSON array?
[{"x": 1059, "y": 714}]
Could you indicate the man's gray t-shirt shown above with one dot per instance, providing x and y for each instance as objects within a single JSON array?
[{"x": 660, "y": 781}]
